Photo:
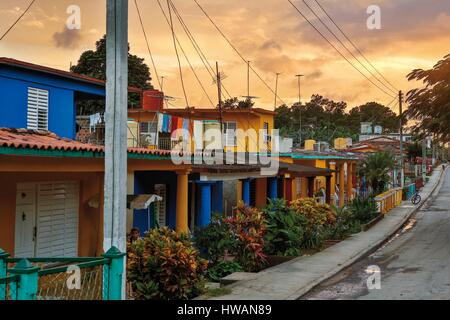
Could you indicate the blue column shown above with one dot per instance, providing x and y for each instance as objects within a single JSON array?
[
  {"x": 273, "y": 187},
  {"x": 246, "y": 191},
  {"x": 204, "y": 212},
  {"x": 217, "y": 197}
]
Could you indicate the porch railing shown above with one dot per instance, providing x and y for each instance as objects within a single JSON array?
[
  {"x": 84, "y": 278},
  {"x": 389, "y": 200}
]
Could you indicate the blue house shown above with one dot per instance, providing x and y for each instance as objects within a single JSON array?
[{"x": 41, "y": 98}]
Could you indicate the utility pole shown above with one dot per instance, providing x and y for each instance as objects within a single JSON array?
[
  {"x": 115, "y": 189},
  {"x": 276, "y": 90},
  {"x": 162, "y": 83},
  {"x": 402, "y": 169},
  {"x": 299, "y": 76},
  {"x": 424, "y": 158}
]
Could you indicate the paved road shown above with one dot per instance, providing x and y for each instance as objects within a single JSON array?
[{"x": 414, "y": 264}]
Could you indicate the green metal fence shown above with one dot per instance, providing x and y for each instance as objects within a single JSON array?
[{"x": 82, "y": 278}]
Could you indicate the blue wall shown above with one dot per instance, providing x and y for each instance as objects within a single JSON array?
[
  {"x": 144, "y": 183},
  {"x": 14, "y": 85}
]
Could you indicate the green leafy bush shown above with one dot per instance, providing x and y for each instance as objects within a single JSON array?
[
  {"x": 364, "y": 209},
  {"x": 215, "y": 240},
  {"x": 248, "y": 226},
  {"x": 165, "y": 265},
  {"x": 222, "y": 269},
  {"x": 345, "y": 225},
  {"x": 285, "y": 229}
]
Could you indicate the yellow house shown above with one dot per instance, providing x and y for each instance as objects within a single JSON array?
[{"x": 245, "y": 130}]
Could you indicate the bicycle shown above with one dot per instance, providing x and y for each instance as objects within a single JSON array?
[{"x": 416, "y": 199}]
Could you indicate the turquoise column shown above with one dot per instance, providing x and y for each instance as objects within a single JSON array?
[
  {"x": 113, "y": 274},
  {"x": 3, "y": 272},
  {"x": 246, "y": 191},
  {"x": 273, "y": 188},
  {"x": 204, "y": 214},
  {"x": 27, "y": 286}
]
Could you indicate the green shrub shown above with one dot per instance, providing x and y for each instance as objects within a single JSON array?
[
  {"x": 364, "y": 209},
  {"x": 165, "y": 265},
  {"x": 285, "y": 229},
  {"x": 215, "y": 240},
  {"x": 345, "y": 225},
  {"x": 222, "y": 269}
]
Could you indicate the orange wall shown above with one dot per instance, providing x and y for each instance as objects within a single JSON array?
[
  {"x": 261, "y": 192},
  {"x": 90, "y": 228}
]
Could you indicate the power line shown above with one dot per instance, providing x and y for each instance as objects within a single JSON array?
[
  {"x": 337, "y": 50},
  {"x": 197, "y": 48},
  {"x": 17, "y": 20},
  {"x": 185, "y": 56},
  {"x": 348, "y": 50},
  {"x": 148, "y": 46},
  {"x": 176, "y": 52},
  {"x": 354, "y": 45},
  {"x": 235, "y": 49}
]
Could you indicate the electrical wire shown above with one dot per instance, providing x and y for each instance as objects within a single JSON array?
[
  {"x": 337, "y": 50},
  {"x": 17, "y": 20},
  {"x": 185, "y": 55},
  {"x": 197, "y": 48},
  {"x": 148, "y": 45},
  {"x": 236, "y": 50},
  {"x": 355, "y": 46},
  {"x": 348, "y": 50},
  {"x": 176, "y": 52}
]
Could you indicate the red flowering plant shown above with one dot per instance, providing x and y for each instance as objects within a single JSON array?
[{"x": 248, "y": 225}]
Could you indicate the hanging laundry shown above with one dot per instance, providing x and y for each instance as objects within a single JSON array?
[
  {"x": 180, "y": 123},
  {"x": 174, "y": 124},
  {"x": 94, "y": 119},
  {"x": 160, "y": 122},
  {"x": 198, "y": 134},
  {"x": 166, "y": 125}
]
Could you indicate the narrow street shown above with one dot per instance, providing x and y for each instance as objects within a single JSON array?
[{"x": 414, "y": 264}]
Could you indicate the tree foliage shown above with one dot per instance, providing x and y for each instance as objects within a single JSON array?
[
  {"x": 92, "y": 63},
  {"x": 376, "y": 168},
  {"x": 323, "y": 119},
  {"x": 430, "y": 105}
]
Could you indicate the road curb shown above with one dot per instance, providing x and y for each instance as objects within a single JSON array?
[{"x": 368, "y": 250}]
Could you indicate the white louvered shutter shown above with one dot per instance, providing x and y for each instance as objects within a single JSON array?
[
  {"x": 160, "y": 206},
  {"x": 57, "y": 220},
  {"x": 37, "y": 113}
]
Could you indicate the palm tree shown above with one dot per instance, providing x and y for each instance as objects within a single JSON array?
[{"x": 376, "y": 169}]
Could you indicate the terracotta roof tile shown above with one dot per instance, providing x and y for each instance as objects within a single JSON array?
[{"x": 45, "y": 140}]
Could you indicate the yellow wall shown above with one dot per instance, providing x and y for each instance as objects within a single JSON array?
[{"x": 245, "y": 121}]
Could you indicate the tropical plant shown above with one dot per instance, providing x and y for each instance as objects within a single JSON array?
[
  {"x": 376, "y": 168},
  {"x": 346, "y": 225},
  {"x": 364, "y": 209},
  {"x": 248, "y": 226},
  {"x": 215, "y": 240},
  {"x": 223, "y": 269},
  {"x": 429, "y": 106},
  {"x": 285, "y": 229},
  {"x": 318, "y": 216},
  {"x": 165, "y": 265},
  {"x": 315, "y": 213}
]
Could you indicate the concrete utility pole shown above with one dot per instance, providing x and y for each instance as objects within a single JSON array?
[
  {"x": 424, "y": 158},
  {"x": 219, "y": 93},
  {"x": 276, "y": 90},
  {"x": 116, "y": 125},
  {"x": 402, "y": 169},
  {"x": 299, "y": 76}
]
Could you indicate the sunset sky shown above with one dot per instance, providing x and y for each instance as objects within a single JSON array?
[{"x": 414, "y": 34}]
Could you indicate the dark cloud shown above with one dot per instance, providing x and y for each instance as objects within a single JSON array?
[{"x": 69, "y": 39}]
